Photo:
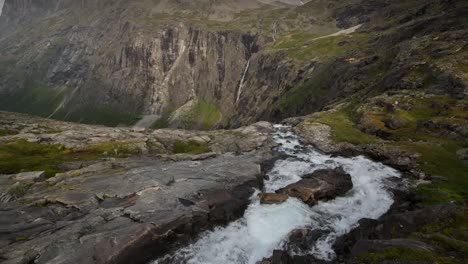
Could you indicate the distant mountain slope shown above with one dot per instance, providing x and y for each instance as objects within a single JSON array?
[{"x": 204, "y": 64}]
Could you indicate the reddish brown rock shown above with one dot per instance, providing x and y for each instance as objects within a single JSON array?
[
  {"x": 272, "y": 198},
  {"x": 320, "y": 185}
]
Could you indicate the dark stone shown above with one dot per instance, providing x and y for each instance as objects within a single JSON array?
[
  {"x": 320, "y": 185},
  {"x": 375, "y": 246},
  {"x": 272, "y": 198},
  {"x": 303, "y": 239},
  {"x": 394, "y": 225},
  {"x": 395, "y": 123}
]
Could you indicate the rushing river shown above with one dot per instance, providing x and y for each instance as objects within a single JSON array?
[{"x": 264, "y": 228}]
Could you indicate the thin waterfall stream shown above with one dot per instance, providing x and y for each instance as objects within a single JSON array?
[
  {"x": 241, "y": 84},
  {"x": 264, "y": 228},
  {"x": 2, "y": 2}
]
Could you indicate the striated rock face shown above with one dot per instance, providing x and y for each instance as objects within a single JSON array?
[
  {"x": 211, "y": 64},
  {"x": 111, "y": 69},
  {"x": 121, "y": 211}
]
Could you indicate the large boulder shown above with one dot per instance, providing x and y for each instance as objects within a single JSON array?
[
  {"x": 272, "y": 198},
  {"x": 321, "y": 185}
]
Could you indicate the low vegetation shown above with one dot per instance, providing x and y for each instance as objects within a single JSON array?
[
  {"x": 426, "y": 125},
  {"x": 190, "y": 147},
  {"x": 21, "y": 155},
  {"x": 406, "y": 255},
  {"x": 306, "y": 47},
  {"x": 203, "y": 116},
  {"x": 7, "y": 132}
]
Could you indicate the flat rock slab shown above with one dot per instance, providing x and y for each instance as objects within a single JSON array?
[
  {"x": 29, "y": 176},
  {"x": 123, "y": 211}
]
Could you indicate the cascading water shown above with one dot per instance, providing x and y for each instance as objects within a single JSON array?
[
  {"x": 264, "y": 228},
  {"x": 2, "y": 2},
  {"x": 241, "y": 84}
]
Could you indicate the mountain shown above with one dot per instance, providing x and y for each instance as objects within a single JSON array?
[
  {"x": 112, "y": 62},
  {"x": 172, "y": 105}
]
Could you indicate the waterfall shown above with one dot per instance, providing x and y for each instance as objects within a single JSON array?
[
  {"x": 275, "y": 30},
  {"x": 265, "y": 228},
  {"x": 241, "y": 84},
  {"x": 2, "y": 2}
]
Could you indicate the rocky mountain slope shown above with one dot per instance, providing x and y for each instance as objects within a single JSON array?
[
  {"x": 384, "y": 79},
  {"x": 198, "y": 64}
]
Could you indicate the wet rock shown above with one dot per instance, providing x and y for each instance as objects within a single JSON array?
[
  {"x": 304, "y": 238},
  {"x": 272, "y": 198},
  {"x": 283, "y": 257},
  {"x": 320, "y": 185},
  {"x": 278, "y": 257},
  {"x": 395, "y": 123}
]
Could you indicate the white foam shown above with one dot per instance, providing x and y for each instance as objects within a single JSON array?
[
  {"x": 249, "y": 239},
  {"x": 265, "y": 228}
]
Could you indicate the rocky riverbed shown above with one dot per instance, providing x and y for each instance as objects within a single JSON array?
[
  {"x": 126, "y": 204},
  {"x": 302, "y": 178}
]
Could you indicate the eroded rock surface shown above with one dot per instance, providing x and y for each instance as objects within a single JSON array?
[
  {"x": 125, "y": 210},
  {"x": 113, "y": 207}
]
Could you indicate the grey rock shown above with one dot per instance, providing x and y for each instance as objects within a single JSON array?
[
  {"x": 32, "y": 176},
  {"x": 99, "y": 213}
]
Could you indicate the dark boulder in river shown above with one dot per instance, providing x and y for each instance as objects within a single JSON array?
[{"x": 320, "y": 185}]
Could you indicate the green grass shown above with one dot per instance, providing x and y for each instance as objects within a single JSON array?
[
  {"x": 162, "y": 122},
  {"x": 437, "y": 154},
  {"x": 105, "y": 115},
  {"x": 344, "y": 128},
  {"x": 405, "y": 255},
  {"x": 190, "y": 147},
  {"x": 21, "y": 155},
  {"x": 448, "y": 236},
  {"x": 35, "y": 98},
  {"x": 7, "y": 132},
  {"x": 203, "y": 116},
  {"x": 305, "y": 47},
  {"x": 304, "y": 95},
  {"x": 441, "y": 160}
]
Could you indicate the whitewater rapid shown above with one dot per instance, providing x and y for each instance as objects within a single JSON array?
[{"x": 264, "y": 228}]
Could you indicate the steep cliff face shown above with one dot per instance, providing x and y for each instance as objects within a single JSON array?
[
  {"x": 112, "y": 62},
  {"x": 197, "y": 64}
]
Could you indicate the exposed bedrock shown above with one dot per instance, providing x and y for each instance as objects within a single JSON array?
[{"x": 125, "y": 211}]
